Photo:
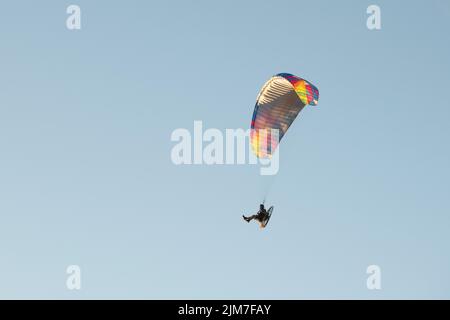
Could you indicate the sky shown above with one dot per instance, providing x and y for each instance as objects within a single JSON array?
[{"x": 86, "y": 176}]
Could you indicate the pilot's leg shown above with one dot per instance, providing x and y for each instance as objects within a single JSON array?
[{"x": 248, "y": 219}]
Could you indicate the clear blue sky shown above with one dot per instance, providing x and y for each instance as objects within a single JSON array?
[{"x": 85, "y": 170}]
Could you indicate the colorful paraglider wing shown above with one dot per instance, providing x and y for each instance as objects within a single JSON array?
[{"x": 280, "y": 100}]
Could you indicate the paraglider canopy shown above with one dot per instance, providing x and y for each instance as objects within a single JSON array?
[{"x": 279, "y": 102}]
